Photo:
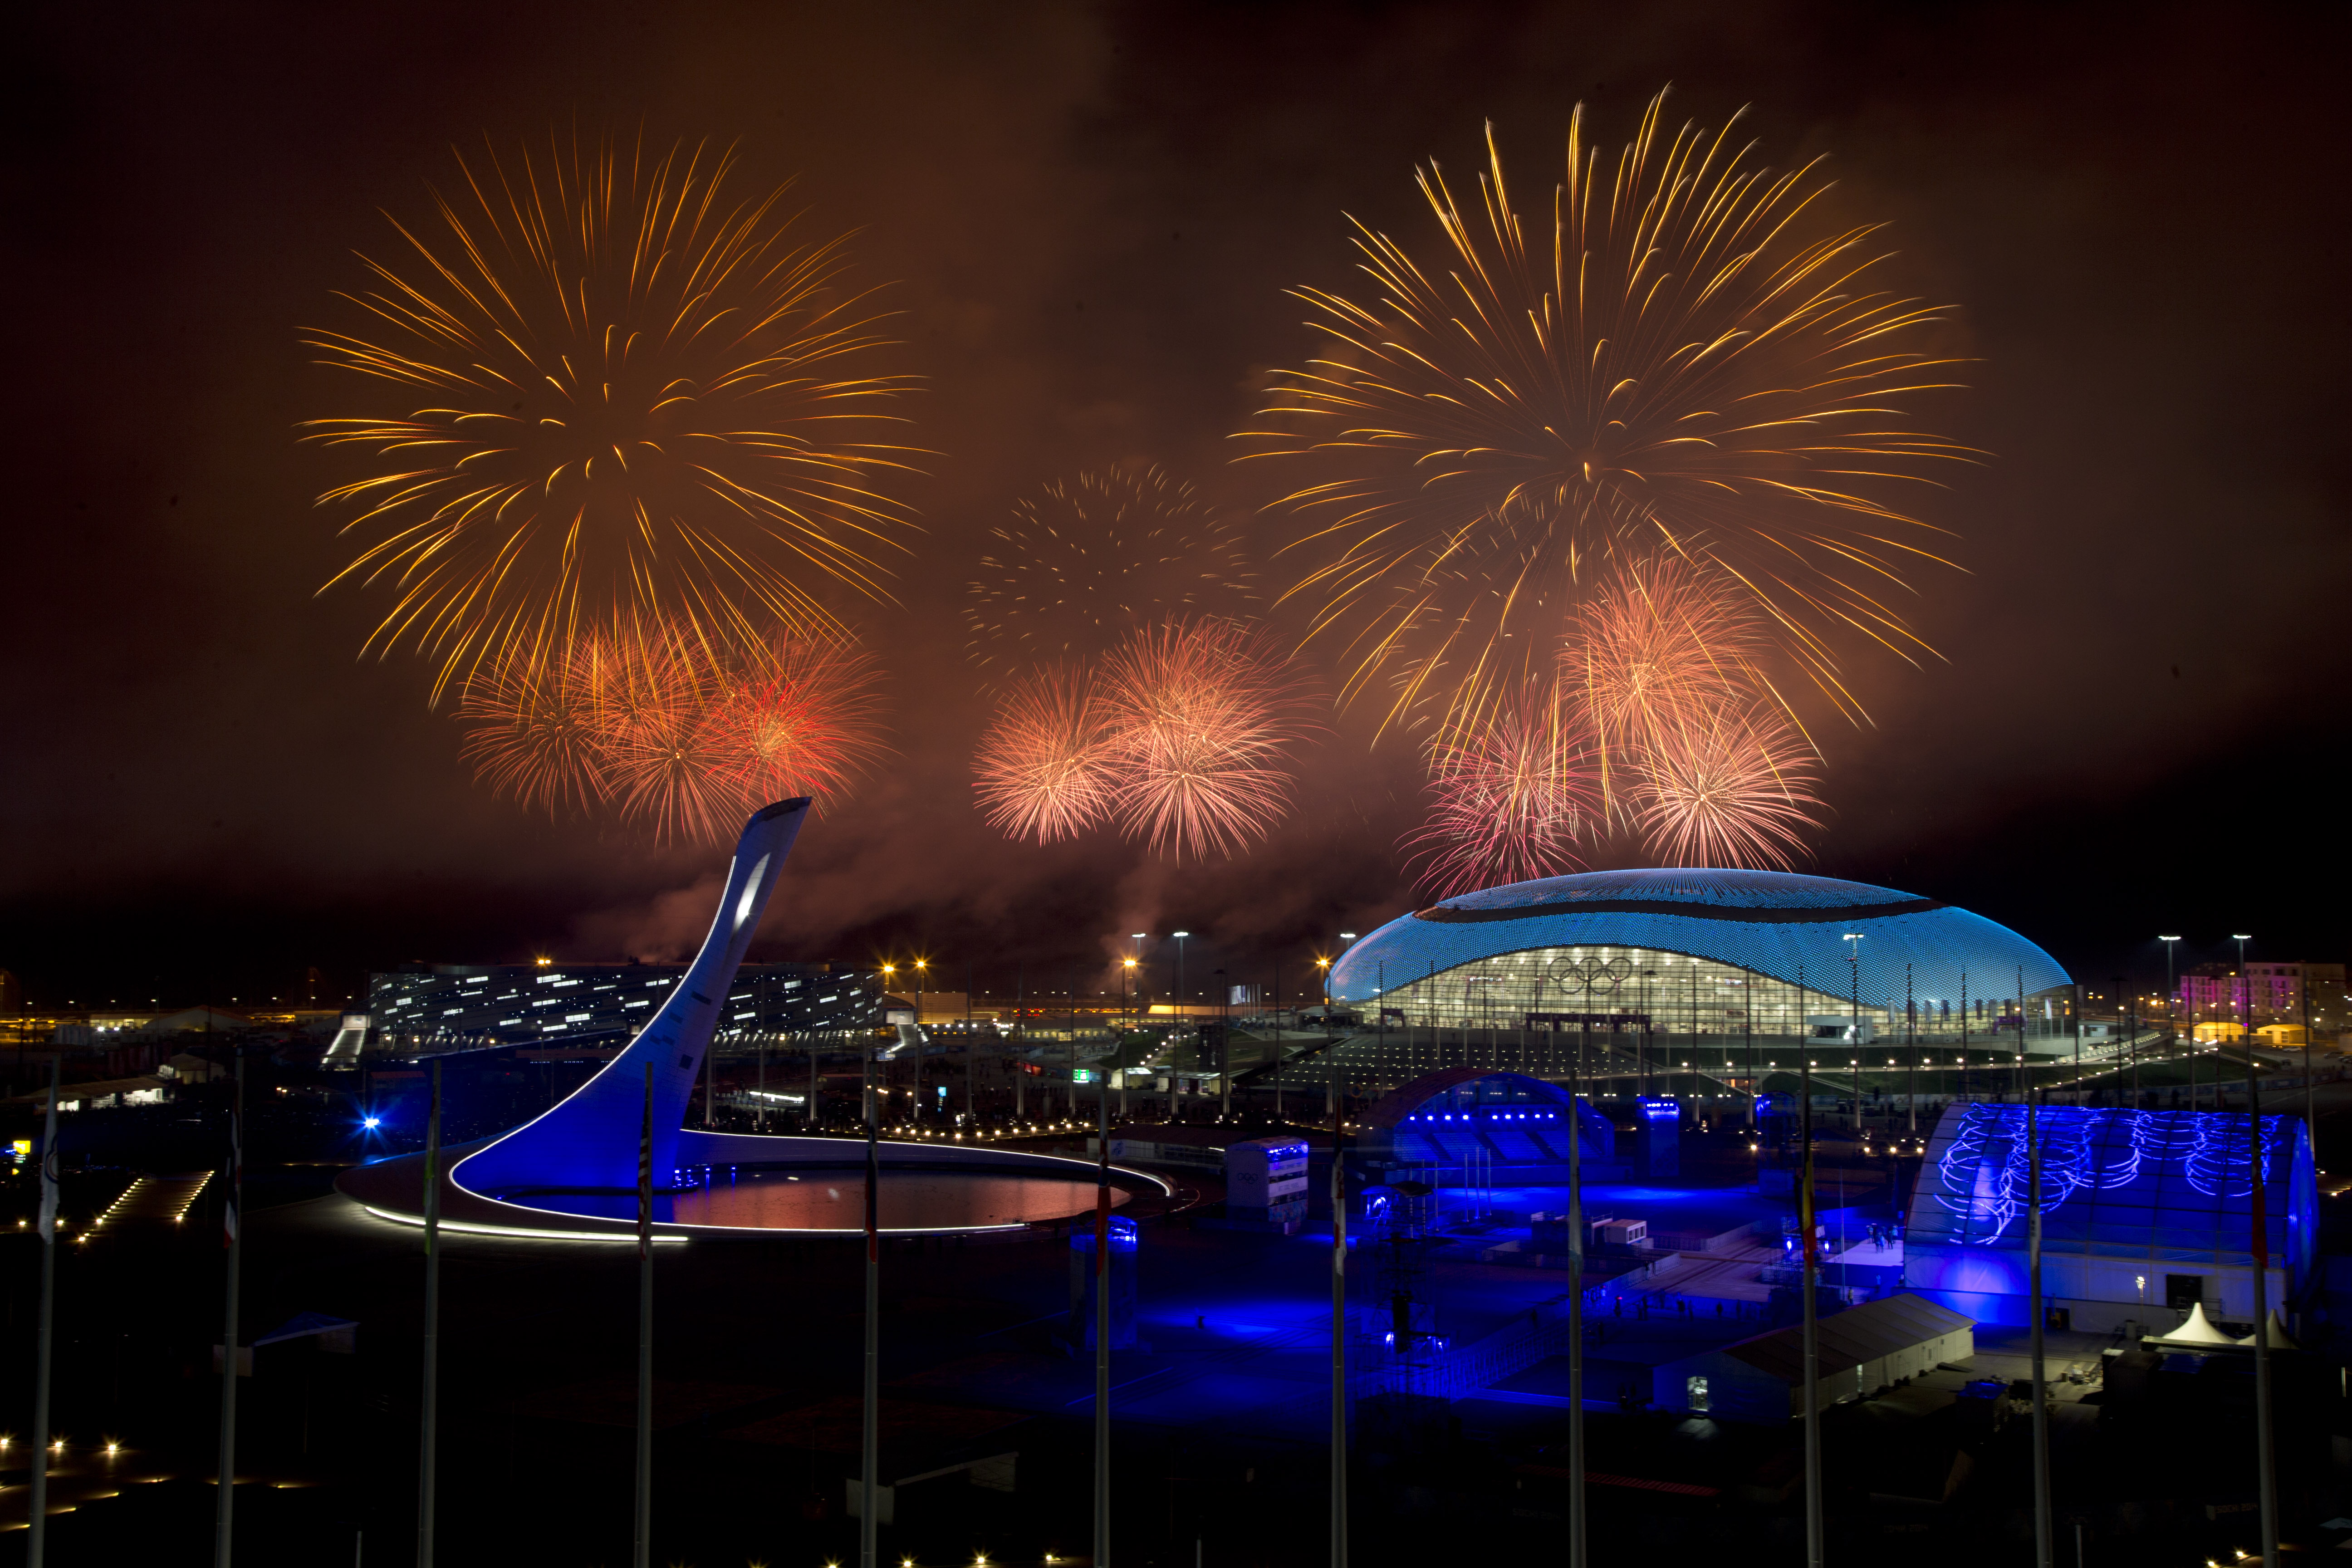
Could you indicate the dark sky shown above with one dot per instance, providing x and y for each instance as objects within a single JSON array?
[{"x": 1090, "y": 215}]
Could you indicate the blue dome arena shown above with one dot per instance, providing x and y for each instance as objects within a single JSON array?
[{"x": 1698, "y": 952}]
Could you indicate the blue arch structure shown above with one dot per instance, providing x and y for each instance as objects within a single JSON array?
[
  {"x": 1772, "y": 923},
  {"x": 1517, "y": 1120},
  {"x": 589, "y": 1142}
]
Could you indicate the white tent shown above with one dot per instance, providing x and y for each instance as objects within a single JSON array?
[
  {"x": 2197, "y": 1331},
  {"x": 2278, "y": 1336}
]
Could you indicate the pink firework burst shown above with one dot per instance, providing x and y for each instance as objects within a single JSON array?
[
  {"x": 1044, "y": 764},
  {"x": 1511, "y": 794},
  {"x": 1733, "y": 786},
  {"x": 1203, "y": 717},
  {"x": 1663, "y": 642}
]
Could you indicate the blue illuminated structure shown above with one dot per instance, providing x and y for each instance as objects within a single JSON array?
[
  {"x": 2142, "y": 1211},
  {"x": 1770, "y": 924},
  {"x": 577, "y": 1163},
  {"x": 589, "y": 1142},
  {"x": 1518, "y": 1124}
]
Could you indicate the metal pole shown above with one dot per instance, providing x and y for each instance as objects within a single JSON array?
[
  {"x": 1811, "y": 1333},
  {"x": 1102, "y": 1329},
  {"x": 1338, "y": 1310},
  {"x": 429, "y": 1409},
  {"x": 643, "y": 1548},
  {"x": 2043, "y": 1547},
  {"x": 2265, "y": 1459},
  {"x": 36, "y": 1540},
  {"x": 870, "y": 1442},
  {"x": 1576, "y": 1307},
  {"x": 224, "y": 1505}
]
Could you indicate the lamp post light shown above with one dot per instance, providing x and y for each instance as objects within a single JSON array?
[
  {"x": 1179, "y": 936},
  {"x": 2172, "y": 1008}
]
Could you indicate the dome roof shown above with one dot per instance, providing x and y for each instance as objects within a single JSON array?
[{"x": 1774, "y": 923}]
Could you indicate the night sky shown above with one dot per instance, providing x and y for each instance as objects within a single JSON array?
[{"x": 1088, "y": 216}]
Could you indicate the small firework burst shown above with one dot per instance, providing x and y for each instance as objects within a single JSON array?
[
  {"x": 1511, "y": 796},
  {"x": 1044, "y": 764},
  {"x": 1087, "y": 559},
  {"x": 1203, "y": 716},
  {"x": 1731, "y": 787}
]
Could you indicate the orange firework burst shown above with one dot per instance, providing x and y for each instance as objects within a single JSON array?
[
  {"x": 1511, "y": 796},
  {"x": 1726, "y": 787},
  {"x": 683, "y": 733},
  {"x": 1088, "y": 558},
  {"x": 631, "y": 395},
  {"x": 1044, "y": 763},
  {"x": 1202, "y": 716},
  {"x": 1682, "y": 359}
]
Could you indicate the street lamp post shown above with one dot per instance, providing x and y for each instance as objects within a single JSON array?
[
  {"x": 2172, "y": 1010},
  {"x": 875, "y": 1096},
  {"x": 922, "y": 972}
]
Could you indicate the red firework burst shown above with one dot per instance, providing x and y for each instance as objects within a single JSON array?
[
  {"x": 684, "y": 733},
  {"x": 1510, "y": 795},
  {"x": 1044, "y": 766}
]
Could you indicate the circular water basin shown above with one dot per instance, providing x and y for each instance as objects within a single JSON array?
[{"x": 834, "y": 1199}]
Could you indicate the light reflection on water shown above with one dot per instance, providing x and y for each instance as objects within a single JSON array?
[{"x": 835, "y": 1200}]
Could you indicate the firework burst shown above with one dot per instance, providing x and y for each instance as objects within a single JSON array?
[
  {"x": 625, "y": 393},
  {"x": 1682, "y": 358},
  {"x": 1202, "y": 716},
  {"x": 1044, "y": 764},
  {"x": 1661, "y": 642},
  {"x": 1727, "y": 787},
  {"x": 681, "y": 733},
  {"x": 1087, "y": 559},
  {"x": 1511, "y": 796}
]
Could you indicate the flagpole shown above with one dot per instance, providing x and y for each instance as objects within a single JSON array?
[
  {"x": 429, "y": 1414},
  {"x": 2265, "y": 1460},
  {"x": 223, "y": 1506},
  {"x": 1102, "y": 1330},
  {"x": 1339, "y": 1308},
  {"x": 870, "y": 1438},
  {"x": 36, "y": 1542},
  {"x": 1811, "y": 1333},
  {"x": 642, "y": 1550},
  {"x": 1575, "y": 1305}
]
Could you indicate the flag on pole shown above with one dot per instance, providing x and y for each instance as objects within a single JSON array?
[
  {"x": 49, "y": 1163},
  {"x": 2255, "y": 1153}
]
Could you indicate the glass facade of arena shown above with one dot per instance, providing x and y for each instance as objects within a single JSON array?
[{"x": 1619, "y": 988}]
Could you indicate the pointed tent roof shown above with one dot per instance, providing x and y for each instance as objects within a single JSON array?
[
  {"x": 2198, "y": 1331},
  {"x": 2279, "y": 1338}
]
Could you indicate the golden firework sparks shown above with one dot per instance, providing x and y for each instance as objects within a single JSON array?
[
  {"x": 628, "y": 393},
  {"x": 1684, "y": 358}
]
